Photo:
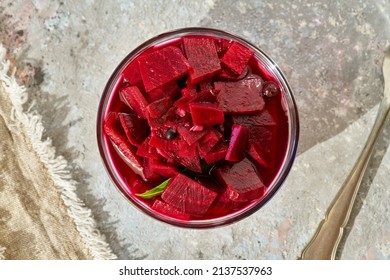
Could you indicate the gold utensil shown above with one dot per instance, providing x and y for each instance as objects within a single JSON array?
[{"x": 324, "y": 243}]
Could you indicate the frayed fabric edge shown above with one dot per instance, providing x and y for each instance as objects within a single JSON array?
[
  {"x": 2, "y": 252},
  {"x": 57, "y": 166}
]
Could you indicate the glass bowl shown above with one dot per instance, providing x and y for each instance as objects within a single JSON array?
[{"x": 123, "y": 177}]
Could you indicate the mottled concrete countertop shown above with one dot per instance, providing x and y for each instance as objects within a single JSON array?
[{"x": 330, "y": 51}]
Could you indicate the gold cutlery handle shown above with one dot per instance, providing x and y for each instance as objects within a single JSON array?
[{"x": 324, "y": 244}]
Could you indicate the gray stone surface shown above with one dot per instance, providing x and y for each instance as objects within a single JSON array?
[{"x": 331, "y": 52}]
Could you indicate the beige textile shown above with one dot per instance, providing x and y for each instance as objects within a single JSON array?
[{"x": 40, "y": 215}]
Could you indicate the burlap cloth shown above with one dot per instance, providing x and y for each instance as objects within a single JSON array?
[{"x": 40, "y": 215}]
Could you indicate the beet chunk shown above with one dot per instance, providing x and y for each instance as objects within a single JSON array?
[
  {"x": 150, "y": 175},
  {"x": 238, "y": 143},
  {"x": 164, "y": 169},
  {"x": 124, "y": 149},
  {"x": 258, "y": 155},
  {"x": 178, "y": 151},
  {"x": 190, "y": 136},
  {"x": 166, "y": 209},
  {"x": 202, "y": 56},
  {"x": 134, "y": 98},
  {"x": 217, "y": 153},
  {"x": 237, "y": 57},
  {"x": 240, "y": 97},
  {"x": 159, "y": 107},
  {"x": 241, "y": 181},
  {"x": 263, "y": 134},
  {"x": 208, "y": 96},
  {"x": 206, "y": 114},
  {"x": 145, "y": 150},
  {"x": 265, "y": 143},
  {"x": 171, "y": 89},
  {"x": 136, "y": 129},
  {"x": 208, "y": 141},
  {"x": 162, "y": 66},
  {"x": 132, "y": 76},
  {"x": 191, "y": 163},
  {"x": 264, "y": 118},
  {"x": 188, "y": 196},
  {"x": 206, "y": 85}
]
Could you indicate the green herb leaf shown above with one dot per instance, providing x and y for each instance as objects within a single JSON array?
[{"x": 155, "y": 191}]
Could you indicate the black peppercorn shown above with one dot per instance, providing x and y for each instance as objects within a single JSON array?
[{"x": 170, "y": 134}]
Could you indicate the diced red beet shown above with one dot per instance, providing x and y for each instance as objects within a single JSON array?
[
  {"x": 210, "y": 184},
  {"x": 190, "y": 136},
  {"x": 188, "y": 156},
  {"x": 257, "y": 155},
  {"x": 205, "y": 96},
  {"x": 133, "y": 76},
  {"x": 265, "y": 141},
  {"x": 162, "y": 66},
  {"x": 238, "y": 143},
  {"x": 124, "y": 149},
  {"x": 263, "y": 118},
  {"x": 208, "y": 96},
  {"x": 159, "y": 107},
  {"x": 223, "y": 204},
  {"x": 190, "y": 163},
  {"x": 217, "y": 153},
  {"x": 227, "y": 74},
  {"x": 155, "y": 124},
  {"x": 166, "y": 156},
  {"x": 168, "y": 149},
  {"x": 241, "y": 180},
  {"x": 145, "y": 150},
  {"x": 197, "y": 128},
  {"x": 175, "y": 120},
  {"x": 202, "y": 56},
  {"x": 150, "y": 175},
  {"x": 208, "y": 141},
  {"x": 136, "y": 129},
  {"x": 188, "y": 196},
  {"x": 237, "y": 57},
  {"x": 191, "y": 87},
  {"x": 169, "y": 146},
  {"x": 187, "y": 151},
  {"x": 206, "y": 85},
  {"x": 222, "y": 46},
  {"x": 112, "y": 126},
  {"x": 169, "y": 117},
  {"x": 183, "y": 103},
  {"x": 206, "y": 114},
  {"x": 185, "y": 92},
  {"x": 171, "y": 89},
  {"x": 164, "y": 169},
  {"x": 166, "y": 209},
  {"x": 133, "y": 98},
  {"x": 240, "y": 97},
  {"x": 172, "y": 150}
]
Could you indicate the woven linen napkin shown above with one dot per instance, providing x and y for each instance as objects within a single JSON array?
[{"x": 41, "y": 217}]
